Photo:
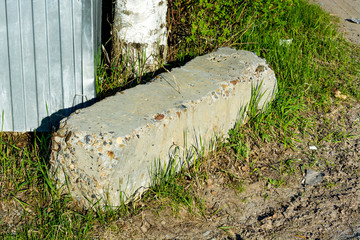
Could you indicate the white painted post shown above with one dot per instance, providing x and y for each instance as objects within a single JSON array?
[{"x": 140, "y": 34}]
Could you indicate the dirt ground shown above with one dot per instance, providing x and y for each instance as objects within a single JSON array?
[
  {"x": 345, "y": 10},
  {"x": 319, "y": 196}
]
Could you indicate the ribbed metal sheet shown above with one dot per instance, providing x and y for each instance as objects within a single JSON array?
[{"x": 47, "y": 60}]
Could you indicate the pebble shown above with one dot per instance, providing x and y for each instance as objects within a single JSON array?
[
  {"x": 206, "y": 233},
  {"x": 312, "y": 148},
  {"x": 313, "y": 177}
]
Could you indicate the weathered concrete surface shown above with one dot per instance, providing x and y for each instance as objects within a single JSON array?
[{"x": 111, "y": 147}]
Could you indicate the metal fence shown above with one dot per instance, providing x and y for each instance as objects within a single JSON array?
[{"x": 47, "y": 60}]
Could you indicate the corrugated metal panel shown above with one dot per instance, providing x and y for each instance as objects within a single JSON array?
[{"x": 47, "y": 60}]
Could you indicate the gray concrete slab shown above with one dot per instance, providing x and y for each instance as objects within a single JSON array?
[{"x": 111, "y": 149}]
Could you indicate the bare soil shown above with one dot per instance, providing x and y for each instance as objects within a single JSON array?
[
  {"x": 275, "y": 199},
  {"x": 345, "y": 10}
]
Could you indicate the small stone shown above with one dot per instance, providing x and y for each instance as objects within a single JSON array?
[
  {"x": 206, "y": 233},
  {"x": 267, "y": 224},
  {"x": 159, "y": 117},
  {"x": 312, "y": 148},
  {"x": 355, "y": 20},
  {"x": 183, "y": 213},
  {"x": 245, "y": 168},
  {"x": 313, "y": 177},
  {"x": 210, "y": 182},
  {"x": 119, "y": 140},
  {"x": 260, "y": 69},
  {"x": 110, "y": 154},
  {"x": 145, "y": 227}
]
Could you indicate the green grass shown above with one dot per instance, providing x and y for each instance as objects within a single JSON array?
[{"x": 317, "y": 61}]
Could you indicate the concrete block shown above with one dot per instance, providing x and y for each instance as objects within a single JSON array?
[{"x": 110, "y": 148}]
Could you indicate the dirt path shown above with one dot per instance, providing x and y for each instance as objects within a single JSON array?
[{"x": 345, "y": 10}]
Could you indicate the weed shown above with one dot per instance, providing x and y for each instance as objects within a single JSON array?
[
  {"x": 265, "y": 196},
  {"x": 177, "y": 190},
  {"x": 235, "y": 182},
  {"x": 225, "y": 228},
  {"x": 286, "y": 167},
  {"x": 274, "y": 182},
  {"x": 237, "y": 143},
  {"x": 330, "y": 185}
]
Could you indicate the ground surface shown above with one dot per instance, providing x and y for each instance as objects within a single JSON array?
[
  {"x": 344, "y": 10},
  {"x": 319, "y": 196},
  {"x": 319, "y": 192},
  {"x": 300, "y": 193}
]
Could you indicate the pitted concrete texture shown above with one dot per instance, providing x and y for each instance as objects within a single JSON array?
[{"x": 112, "y": 148}]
